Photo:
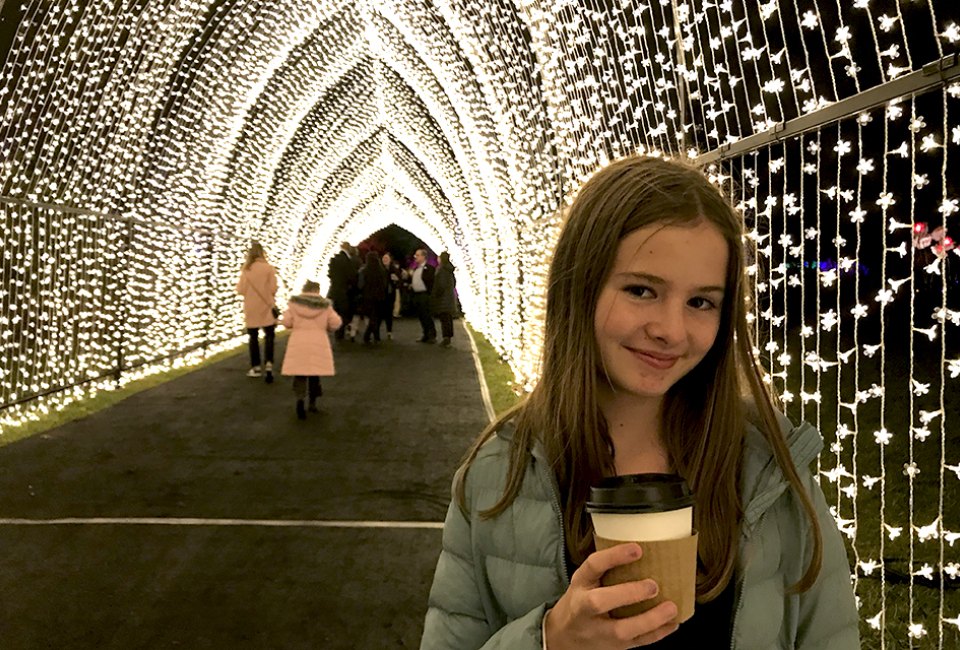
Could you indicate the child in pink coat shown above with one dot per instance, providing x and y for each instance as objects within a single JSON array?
[{"x": 309, "y": 355}]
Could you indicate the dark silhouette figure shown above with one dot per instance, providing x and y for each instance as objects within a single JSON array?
[
  {"x": 373, "y": 292},
  {"x": 394, "y": 277},
  {"x": 343, "y": 279},
  {"x": 443, "y": 299}
]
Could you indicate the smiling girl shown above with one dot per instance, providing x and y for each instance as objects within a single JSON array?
[{"x": 647, "y": 366}]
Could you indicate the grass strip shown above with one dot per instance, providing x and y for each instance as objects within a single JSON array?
[{"x": 501, "y": 382}]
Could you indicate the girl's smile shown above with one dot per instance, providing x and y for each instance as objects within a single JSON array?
[{"x": 659, "y": 361}]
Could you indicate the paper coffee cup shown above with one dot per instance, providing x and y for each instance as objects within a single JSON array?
[{"x": 655, "y": 510}]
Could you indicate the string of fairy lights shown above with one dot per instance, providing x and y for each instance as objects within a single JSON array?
[
  {"x": 144, "y": 145},
  {"x": 873, "y": 380}
]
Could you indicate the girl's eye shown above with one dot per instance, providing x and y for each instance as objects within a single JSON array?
[
  {"x": 638, "y": 290},
  {"x": 702, "y": 303}
]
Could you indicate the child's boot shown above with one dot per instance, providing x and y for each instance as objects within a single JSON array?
[
  {"x": 301, "y": 412},
  {"x": 268, "y": 372},
  {"x": 313, "y": 406}
]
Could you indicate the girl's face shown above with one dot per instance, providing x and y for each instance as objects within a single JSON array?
[
  {"x": 659, "y": 312},
  {"x": 385, "y": 259}
]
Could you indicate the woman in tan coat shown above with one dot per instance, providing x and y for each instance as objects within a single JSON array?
[
  {"x": 311, "y": 318},
  {"x": 258, "y": 286}
]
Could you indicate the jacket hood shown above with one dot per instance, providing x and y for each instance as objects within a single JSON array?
[{"x": 308, "y": 305}]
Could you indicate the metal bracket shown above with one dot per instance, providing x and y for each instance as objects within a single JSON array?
[
  {"x": 940, "y": 66},
  {"x": 777, "y": 129}
]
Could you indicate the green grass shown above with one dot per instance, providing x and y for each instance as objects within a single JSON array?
[
  {"x": 103, "y": 399},
  {"x": 501, "y": 382}
]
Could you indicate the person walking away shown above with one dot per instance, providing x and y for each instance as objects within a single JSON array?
[
  {"x": 373, "y": 291},
  {"x": 388, "y": 307},
  {"x": 309, "y": 355},
  {"x": 421, "y": 284},
  {"x": 647, "y": 366},
  {"x": 342, "y": 274},
  {"x": 443, "y": 299},
  {"x": 258, "y": 286}
]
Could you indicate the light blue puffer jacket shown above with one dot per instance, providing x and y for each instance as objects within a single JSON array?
[{"x": 495, "y": 578}]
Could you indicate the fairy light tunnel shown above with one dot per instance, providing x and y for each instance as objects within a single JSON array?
[{"x": 145, "y": 143}]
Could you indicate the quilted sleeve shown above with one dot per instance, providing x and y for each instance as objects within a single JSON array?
[
  {"x": 456, "y": 618},
  {"x": 828, "y": 611}
]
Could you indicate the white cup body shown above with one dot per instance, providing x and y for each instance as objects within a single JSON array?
[{"x": 644, "y": 526}]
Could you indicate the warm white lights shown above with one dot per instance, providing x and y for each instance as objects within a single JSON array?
[{"x": 143, "y": 146}]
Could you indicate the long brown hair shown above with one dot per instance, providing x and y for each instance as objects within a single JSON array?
[
  {"x": 255, "y": 253},
  {"x": 704, "y": 417}
]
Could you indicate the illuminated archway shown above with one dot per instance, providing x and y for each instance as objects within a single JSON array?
[{"x": 144, "y": 145}]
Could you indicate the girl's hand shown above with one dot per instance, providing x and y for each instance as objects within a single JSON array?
[{"x": 581, "y": 618}]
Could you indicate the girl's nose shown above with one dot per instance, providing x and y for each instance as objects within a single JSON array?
[{"x": 666, "y": 324}]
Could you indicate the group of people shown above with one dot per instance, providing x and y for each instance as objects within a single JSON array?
[
  {"x": 358, "y": 293},
  {"x": 370, "y": 291}
]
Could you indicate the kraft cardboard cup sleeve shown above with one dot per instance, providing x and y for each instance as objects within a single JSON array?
[{"x": 656, "y": 511}]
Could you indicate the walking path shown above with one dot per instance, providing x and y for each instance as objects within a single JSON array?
[{"x": 203, "y": 514}]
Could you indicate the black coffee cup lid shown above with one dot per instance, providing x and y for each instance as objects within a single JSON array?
[{"x": 635, "y": 493}]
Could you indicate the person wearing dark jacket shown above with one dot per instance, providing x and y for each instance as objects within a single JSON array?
[
  {"x": 443, "y": 301},
  {"x": 373, "y": 291},
  {"x": 421, "y": 284},
  {"x": 394, "y": 274},
  {"x": 355, "y": 318},
  {"x": 343, "y": 278}
]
